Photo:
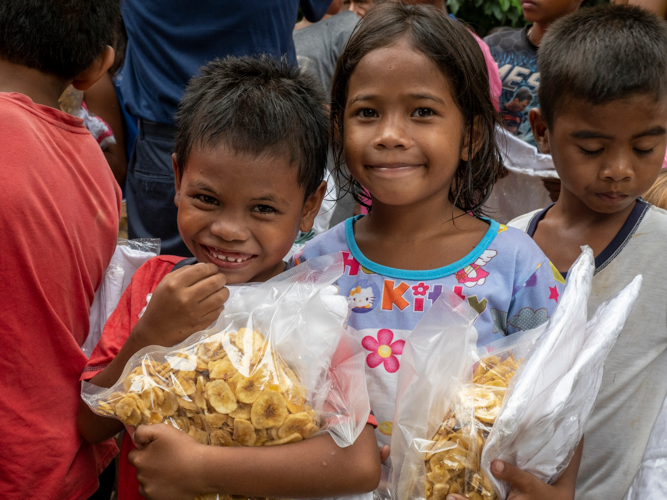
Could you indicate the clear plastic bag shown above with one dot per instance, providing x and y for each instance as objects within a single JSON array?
[
  {"x": 650, "y": 482},
  {"x": 129, "y": 256},
  {"x": 524, "y": 398},
  {"x": 443, "y": 373},
  {"x": 548, "y": 404},
  {"x": 277, "y": 367}
]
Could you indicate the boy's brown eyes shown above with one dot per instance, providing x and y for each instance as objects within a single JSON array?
[{"x": 209, "y": 200}]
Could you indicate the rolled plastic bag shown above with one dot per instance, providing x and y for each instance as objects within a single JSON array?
[
  {"x": 650, "y": 482},
  {"x": 129, "y": 256},
  {"x": 277, "y": 367},
  {"x": 452, "y": 394},
  {"x": 548, "y": 404}
]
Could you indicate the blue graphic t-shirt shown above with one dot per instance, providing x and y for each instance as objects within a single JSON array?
[
  {"x": 506, "y": 278},
  {"x": 516, "y": 57}
]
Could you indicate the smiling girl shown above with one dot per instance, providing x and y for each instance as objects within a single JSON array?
[{"x": 413, "y": 120}]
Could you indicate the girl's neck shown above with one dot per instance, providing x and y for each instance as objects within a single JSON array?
[
  {"x": 421, "y": 220},
  {"x": 428, "y": 235}
]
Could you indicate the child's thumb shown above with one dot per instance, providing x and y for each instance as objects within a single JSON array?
[
  {"x": 144, "y": 435},
  {"x": 520, "y": 480}
]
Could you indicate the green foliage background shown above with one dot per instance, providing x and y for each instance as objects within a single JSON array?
[{"x": 484, "y": 15}]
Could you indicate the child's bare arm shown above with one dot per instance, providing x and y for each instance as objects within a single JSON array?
[
  {"x": 172, "y": 465},
  {"x": 525, "y": 486},
  {"x": 185, "y": 301}
]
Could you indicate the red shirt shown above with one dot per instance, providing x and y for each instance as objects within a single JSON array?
[
  {"x": 121, "y": 322},
  {"x": 59, "y": 225}
]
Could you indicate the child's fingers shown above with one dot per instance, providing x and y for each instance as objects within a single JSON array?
[
  {"x": 208, "y": 287},
  {"x": 144, "y": 435},
  {"x": 520, "y": 480},
  {"x": 189, "y": 275},
  {"x": 384, "y": 453}
]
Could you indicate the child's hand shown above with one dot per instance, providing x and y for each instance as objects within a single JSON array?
[
  {"x": 384, "y": 453},
  {"x": 167, "y": 461},
  {"x": 525, "y": 486},
  {"x": 185, "y": 301}
]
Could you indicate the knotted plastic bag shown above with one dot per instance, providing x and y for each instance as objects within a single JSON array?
[{"x": 277, "y": 367}]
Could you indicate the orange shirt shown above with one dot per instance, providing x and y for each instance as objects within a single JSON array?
[{"x": 59, "y": 211}]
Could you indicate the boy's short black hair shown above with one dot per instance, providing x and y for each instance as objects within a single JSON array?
[
  {"x": 601, "y": 54},
  {"x": 256, "y": 105},
  {"x": 523, "y": 94},
  {"x": 57, "y": 37}
]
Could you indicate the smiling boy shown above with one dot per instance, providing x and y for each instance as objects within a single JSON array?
[
  {"x": 603, "y": 118},
  {"x": 251, "y": 151}
]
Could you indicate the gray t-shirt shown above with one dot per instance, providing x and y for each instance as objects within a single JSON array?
[
  {"x": 634, "y": 383},
  {"x": 319, "y": 45}
]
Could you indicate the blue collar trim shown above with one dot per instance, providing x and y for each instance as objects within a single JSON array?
[{"x": 430, "y": 274}]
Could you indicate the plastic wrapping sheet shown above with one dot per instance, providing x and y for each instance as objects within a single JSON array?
[
  {"x": 650, "y": 482},
  {"x": 548, "y": 403},
  {"x": 522, "y": 190},
  {"x": 277, "y": 367},
  {"x": 129, "y": 256},
  {"x": 524, "y": 398}
]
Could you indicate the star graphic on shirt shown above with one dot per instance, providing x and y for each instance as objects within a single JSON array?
[{"x": 554, "y": 293}]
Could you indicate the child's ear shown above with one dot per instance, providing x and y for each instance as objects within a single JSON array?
[
  {"x": 88, "y": 77},
  {"x": 177, "y": 178},
  {"x": 312, "y": 207},
  {"x": 477, "y": 138},
  {"x": 540, "y": 130}
]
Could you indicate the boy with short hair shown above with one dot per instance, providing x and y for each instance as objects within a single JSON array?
[
  {"x": 515, "y": 52},
  {"x": 603, "y": 118},
  {"x": 59, "y": 224},
  {"x": 251, "y": 150}
]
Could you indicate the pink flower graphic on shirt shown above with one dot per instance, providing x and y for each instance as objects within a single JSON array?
[
  {"x": 383, "y": 350},
  {"x": 420, "y": 289}
]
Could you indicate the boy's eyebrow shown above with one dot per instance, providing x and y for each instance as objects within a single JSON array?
[
  {"x": 657, "y": 130},
  {"x": 203, "y": 187},
  {"x": 589, "y": 134},
  {"x": 271, "y": 198}
]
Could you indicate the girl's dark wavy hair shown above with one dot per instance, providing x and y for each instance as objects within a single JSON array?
[{"x": 449, "y": 44}]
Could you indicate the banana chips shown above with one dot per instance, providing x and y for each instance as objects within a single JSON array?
[
  {"x": 454, "y": 465},
  {"x": 229, "y": 390},
  {"x": 277, "y": 367}
]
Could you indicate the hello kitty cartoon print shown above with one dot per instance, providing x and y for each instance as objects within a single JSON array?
[{"x": 474, "y": 274}]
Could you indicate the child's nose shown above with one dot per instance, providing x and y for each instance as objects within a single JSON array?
[
  {"x": 619, "y": 168},
  {"x": 393, "y": 132},
  {"x": 230, "y": 229}
]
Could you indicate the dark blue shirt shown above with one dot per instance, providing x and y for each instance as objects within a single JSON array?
[{"x": 169, "y": 40}]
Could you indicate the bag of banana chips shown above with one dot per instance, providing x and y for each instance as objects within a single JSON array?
[{"x": 277, "y": 367}]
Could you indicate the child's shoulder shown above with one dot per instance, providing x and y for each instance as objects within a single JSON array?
[
  {"x": 153, "y": 270},
  {"x": 511, "y": 237},
  {"x": 505, "y": 39},
  {"x": 523, "y": 221},
  {"x": 330, "y": 241}
]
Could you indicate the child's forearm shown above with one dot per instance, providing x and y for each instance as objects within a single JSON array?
[
  {"x": 315, "y": 467},
  {"x": 171, "y": 464}
]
